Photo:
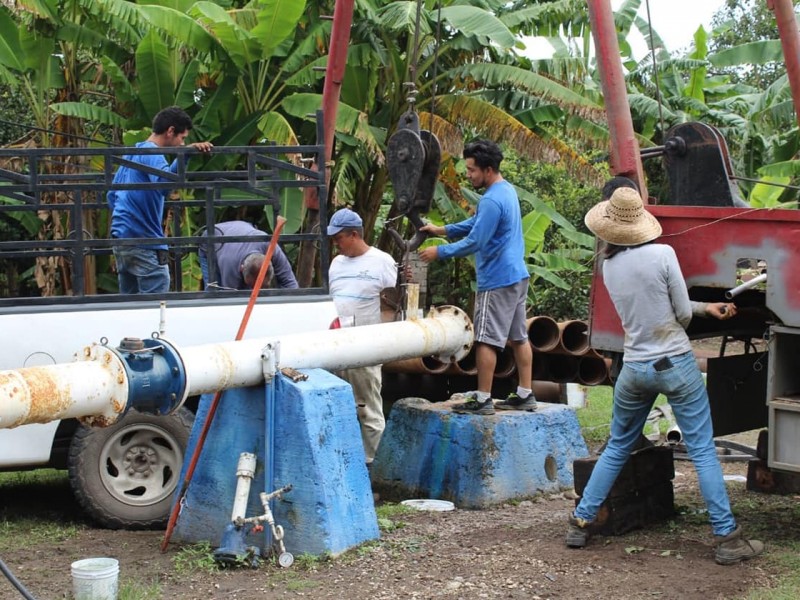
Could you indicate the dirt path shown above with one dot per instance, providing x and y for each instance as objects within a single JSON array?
[{"x": 513, "y": 551}]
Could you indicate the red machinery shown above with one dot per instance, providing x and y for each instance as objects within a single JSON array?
[{"x": 714, "y": 234}]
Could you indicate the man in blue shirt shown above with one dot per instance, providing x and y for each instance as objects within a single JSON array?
[
  {"x": 494, "y": 236},
  {"x": 238, "y": 263},
  {"x": 139, "y": 213}
]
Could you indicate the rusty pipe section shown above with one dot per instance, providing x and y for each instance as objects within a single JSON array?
[
  {"x": 97, "y": 388},
  {"x": 445, "y": 333},
  {"x": 543, "y": 333},
  {"x": 574, "y": 337}
]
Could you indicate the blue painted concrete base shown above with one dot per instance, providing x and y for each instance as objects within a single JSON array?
[
  {"x": 318, "y": 450},
  {"x": 476, "y": 461}
]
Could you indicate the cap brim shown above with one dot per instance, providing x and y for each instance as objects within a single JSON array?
[
  {"x": 643, "y": 230},
  {"x": 333, "y": 230}
]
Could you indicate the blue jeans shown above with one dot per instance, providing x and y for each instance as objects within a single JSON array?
[
  {"x": 203, "y": 260},
  {"x": 635, "y": 392},
  {"x": 138, "y": 271}
]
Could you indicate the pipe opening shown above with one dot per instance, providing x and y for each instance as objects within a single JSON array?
[{"x": 550, "y": 468}]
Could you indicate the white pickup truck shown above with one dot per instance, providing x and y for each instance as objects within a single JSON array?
[{"x": 124, "y": 475}]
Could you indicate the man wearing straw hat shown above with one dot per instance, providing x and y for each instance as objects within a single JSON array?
[
  {"x": 649, "y": 293},
  {"x": 494, "y": 236}
]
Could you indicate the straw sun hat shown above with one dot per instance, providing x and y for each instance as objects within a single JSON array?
[{"x": 622, "y": 220}]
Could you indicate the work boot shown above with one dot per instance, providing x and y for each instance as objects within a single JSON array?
[
  {"x": 474, "y": 406},
  {"x": 733, "y": 548},
  {"x": 578, "y": 532},
  {"x": 514, "y": 402}
]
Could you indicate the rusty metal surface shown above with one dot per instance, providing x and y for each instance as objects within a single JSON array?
[
  {"x": 94, "y": 387},
  {"x": 708, "y": 242}
]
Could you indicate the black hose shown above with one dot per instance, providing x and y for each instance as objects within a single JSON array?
[{"x": 15, "y": 582}]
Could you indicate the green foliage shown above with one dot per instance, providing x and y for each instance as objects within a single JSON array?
[
  {"x": 595, "y": 417},
  {"x": 136, "y": 590},
  {"x": 310, "y": 562},
  {"x": 195, "y": 557},
  {"x": 561, "y": 266},
  {"x": 388, "y": 514},
  {"x": 15, "y": 115},
  {"x": 738, "y": 23}
]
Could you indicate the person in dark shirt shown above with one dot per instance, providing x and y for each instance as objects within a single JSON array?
[{"x": 238, "y": 263}]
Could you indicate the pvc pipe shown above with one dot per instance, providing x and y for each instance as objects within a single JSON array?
[
  {"x": 446, "y": 332},
  {"x": 99, "y": 388},
  {"x": 245, "y": 471},
  {"x": 269, "y": 443},
  {"x": 732, "y": 293}
]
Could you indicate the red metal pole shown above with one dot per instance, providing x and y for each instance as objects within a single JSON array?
[
  {"x": 334, "y": 74},
  {"x": 337, "y": 60},
  {"x": 625, "y": 158},
  {"x": 212, "y": 409},
  {"x": 790, "y": 44}
]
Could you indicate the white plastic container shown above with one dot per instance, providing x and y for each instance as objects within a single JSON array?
[
  {"x": 95, "y": 579},
  {"x": 429, "y": 504},
  {"x": 576, "y": 395}
]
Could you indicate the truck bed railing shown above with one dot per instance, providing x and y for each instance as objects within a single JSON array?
[{"x": 54, "y": 202}]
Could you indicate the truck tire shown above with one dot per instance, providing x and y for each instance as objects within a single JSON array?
[{"x": 124, "y": 476}]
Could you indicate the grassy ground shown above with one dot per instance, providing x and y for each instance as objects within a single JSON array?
[{"x": 774, "y": 519}]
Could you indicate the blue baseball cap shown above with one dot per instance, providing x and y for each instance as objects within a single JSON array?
[{"x": 342, "y": 219}]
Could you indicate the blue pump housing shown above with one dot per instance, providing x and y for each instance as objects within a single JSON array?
[{"x": 156, "y": 377}]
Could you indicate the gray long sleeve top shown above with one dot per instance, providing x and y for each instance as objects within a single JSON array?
[{"x": 650, "y": 295}]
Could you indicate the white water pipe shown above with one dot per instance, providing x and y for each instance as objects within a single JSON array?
[
  {"x": 732, "y": 293},
  {"x": 245, "y": 471},
  {"x": 445, "y": 333},
  {"x": 97, "y": 390}
]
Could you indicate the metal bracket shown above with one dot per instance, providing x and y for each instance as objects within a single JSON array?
[{"x": 271, "y": 357}]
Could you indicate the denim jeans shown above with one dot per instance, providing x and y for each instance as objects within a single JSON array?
[
  {"x": 203, "y": 260},
  {"x": 634, "y": 394},
  {"x": 138, "y": 271}
]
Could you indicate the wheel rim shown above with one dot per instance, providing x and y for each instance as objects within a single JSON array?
[{"x": 140, "y": 464}]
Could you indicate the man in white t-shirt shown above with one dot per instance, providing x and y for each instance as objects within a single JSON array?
[{"x": 357, "y": 275}]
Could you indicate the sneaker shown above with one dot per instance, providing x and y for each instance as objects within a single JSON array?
[
  {"x": 514, "y": 402},
  {"x": 578, "y": 532},
  {"x": 475, "y": 407},
  {"x": 733, "y": 548}
]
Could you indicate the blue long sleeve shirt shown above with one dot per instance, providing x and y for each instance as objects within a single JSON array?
[
  {"x": 494, "y": 236},
  {"x": 139, "y": 213}
]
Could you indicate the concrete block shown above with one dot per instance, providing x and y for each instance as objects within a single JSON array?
[
  {"x": 427, "y": 451},
  {"x": 318, "y": 450},
  {"x": 642, "y": 493}
]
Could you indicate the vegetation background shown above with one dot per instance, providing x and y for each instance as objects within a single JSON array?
[{"x": 83, "y": 73}]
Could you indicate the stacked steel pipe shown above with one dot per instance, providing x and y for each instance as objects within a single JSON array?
[{"x": 561, "y": 352}]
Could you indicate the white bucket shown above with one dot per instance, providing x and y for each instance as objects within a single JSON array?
[
  {"x": 95, "y": 579},
  {"x": 576, "y": 395}
]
